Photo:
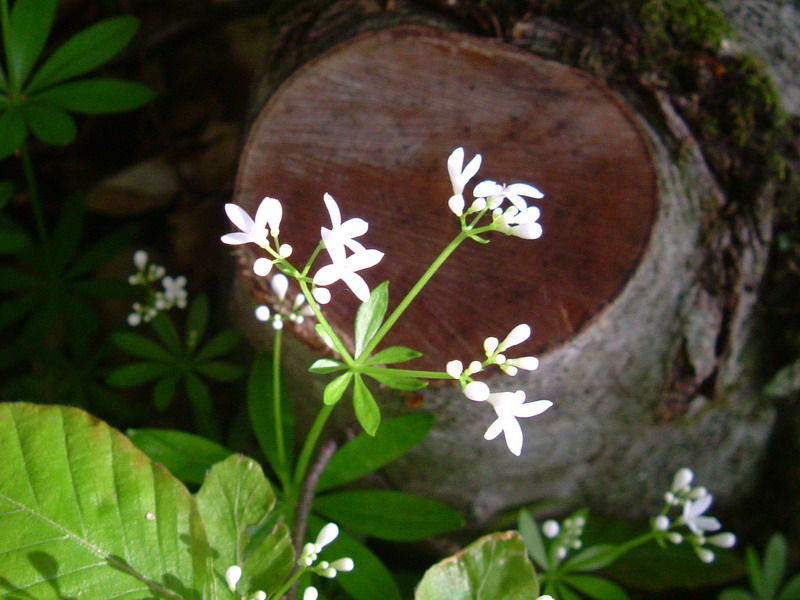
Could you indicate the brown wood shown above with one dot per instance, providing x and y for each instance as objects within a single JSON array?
[{"x": 373, "y": 121}]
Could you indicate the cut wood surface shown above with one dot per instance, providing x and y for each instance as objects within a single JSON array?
[{"x": 373, "y": 121}]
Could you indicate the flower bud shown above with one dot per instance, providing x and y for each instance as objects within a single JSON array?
[
  {"x": 550, "y": 529},
  {"x": 232, "y": 576},
  {"x": 682, "y": 479}
]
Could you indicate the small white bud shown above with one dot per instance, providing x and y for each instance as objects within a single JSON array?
[
  {"x": 682, "y": 479},
  {"x": 551, "y": 529},
  {"x": 474, "y": 367},
  {"x": 698, "y": 492},
  {"x": 134, "y": 319},
  {"x": 456, "y": 204},
  {"x": 311, "y": 593},
  {"x": 478, "y": 205},
  {"x": 723, "y": 540},
  {"x": 260, "y": 595},
  {"x": 500, "y": 359},
  {"x": 675, "y": 537},
  {"x": 516, "y": 336},
  {"x": 326, "y": 535},
  {"x": 280, "y": 285},
  {"x": 262, "y": 313},
  {"x": 661, "y": 523},
  {"x": 345, "y": 565},
  {"x": 232, "y": 576},
  {"x": 321, "y": 295},
  {"x": 262, "y": 267},
  {"x": 454, "y": 368},
  {"x": 546, "y": 597},
  {"x": 528, "y": 363},
  {"x": 140, "y": 259},
  {"x": 477, "y": 391},
  {"x": 277, "y": 322},
  {"x": 509, "y": 369},
  {"x": 490, "y": 344},
  {"x": 285, "y": 251},
  {"x": 706, "y": 555},
  {"x": 561, "y": 552}
]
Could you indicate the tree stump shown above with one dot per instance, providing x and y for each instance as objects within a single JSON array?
[{"x": 639, "y": 296}]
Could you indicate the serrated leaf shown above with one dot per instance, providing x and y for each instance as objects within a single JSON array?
[
  {"x": 234, "y": 498},
  {"x": 186, "y": 455},
  {"x": 12, "y": 131},
  {"x": 365, "y": 454},
  {"x": 367, "y": 411},
  {"x": 397, "y": 382},
  {"x": 83, "y": 499},
  {"x": 529, "y": 530},
  {"x": 85, "y": 51},
  {"x": 137, "y": 374},
  {"x": 335, "y": 389},
  {"x": 495, "y": 566},
  {"x": 388, "y": 514},
  {"x": 50, "y": 124},
  {"x": 596, "y": 587},
  {"x": 370, "y": 579},
  {"x": 141, "y": 346},
  {"x": 29, "y": 28},
  {"x": 97, "y": 96},
  {"x": 393, "y": 354},
  {"x": 323, "y": 366},
  {"x": 370, "y": 316}
]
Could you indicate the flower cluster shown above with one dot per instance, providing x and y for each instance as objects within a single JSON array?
[
  {"x": 508, "y": 406},
  {"x": 518, "y": 219},
  {"x": 296, "y": 312},
  {"x": 311, "y": 551},
  {"x": 567, "y": 535},
  {"x": 693, "y": 502},
  {"x": 148, "y": 275}
]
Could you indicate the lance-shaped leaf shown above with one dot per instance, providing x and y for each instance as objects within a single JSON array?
[
  {"x": 29, "y": 28},
  {"x": 97, "y": 96},
  {"x": 495, "y": 566},
  {"x": 93, "y": 516},
  {"x": 370, "y": 316},
  {"x": 367, "y": 411},
  {"x": 234, "y": 499}
]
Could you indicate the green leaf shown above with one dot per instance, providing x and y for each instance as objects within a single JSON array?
[
  {"x": 200, "y": 397},
  {"x": 186, "y": 455},
  {"x": 103, "y": 251},
  {"x": 495, "y": 566},
  {"x": 754, "y": 574},
  {"x": 529, "y": 530},
  {"x": 3, "y": 80},
  {"x": 234, "y": 499},
  {"x": 396, "y": 382},
  {"x": 365, "y": 454},
  {"x": 592, "y": 558},
  {"x": 370, "y": 316},
  {"x": 596, "y": 587},
  {"x": 220, "y": 344},
  {"x": 12, "y": 131},
  {"x": 791, "y": 590},
  {"x": 336, "y": 388},
  {"x": 367, "y": 411},
  {"x": 164, "y": 392},
  {"x": 393, "y": 354},
  {"x": 13, "y": 238},
  {"x": 736, "y": 594},
  {"x": 137, "y": 374},
  {"x": 218, "y": 370},
  {"x": 165, "y": 329},
  {"x": 83, "y": 499},
  {"x": 564, "y": 592},
  {"x": 67, "y": 235},
  {"x": 196, "y": 320},
  {"x": 50, "y": 124},
  {"x": 370, "y": 580},
  {"x": 97, "y": 96},
  {"x": 14, "y": 280},
  {"x": 785, "y": 382},
  {"x": 29, "y": 28},
  {"x": 141, "y": 346},
  {"x": 774, "y": 565},
  {"x": 388, "y": 515},
  {"x": 261, "y": 408},
  {"x": 85, "y": 51},
  {"x": 324, "y": 366}
]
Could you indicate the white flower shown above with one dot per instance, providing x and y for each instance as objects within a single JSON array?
[
  {"x": 311, "y": 593},
  {"x": 520, "y": 223},
  {"x": 693, "y": 516},
  {"x": 341, "y": 235},
  {"x": 682, "y": 479},
  {"x": 140, "y": 259},
  {"x": 509, "y": 407},
  {"x": 551, "y": 529},
  {"x": 459, "y": 177},
  {"x": 175, "y": 290},
  {"x": 232, "y": 576},
  {"x": 268, "y": 217},
  {"x": 346, "y": 271},
  {"x": 496, "y": 193},
  {"x": 322, "y": 296}
]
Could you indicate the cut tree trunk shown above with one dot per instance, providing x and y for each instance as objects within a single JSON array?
[{"x": 639, "y": 295}]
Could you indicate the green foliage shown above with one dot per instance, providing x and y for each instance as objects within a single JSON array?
[
  {"x": 369, "y": 317},
  {"x": 766, "y": 577},
  {"x": 40, "y": 101},
  {"x": 495, "y": 566},
  {"x": 175, "y": 359}
]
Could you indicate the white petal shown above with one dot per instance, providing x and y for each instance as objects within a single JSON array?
[
  {"x": 494, "y": 430},
  {"x": 321, "y": 295},
  {"x": 527, "y": 231},
  {"x": 327, "y": 534},
  {"x": 262, "y": 267},
  {"x": 239, "y": 217},
  {"x": 333, "y": 210},
  {"x": 273, "y": 213},
  {"x": 328, "y": 274},
  {"x": 364, "y": 260},
  {"x": 280, "y": 285},
  {"x": 454, "y": 164},
  {"x": 519, "y": 334},
  {"x": 234, "y": 239},
  {"x": 523, "y": 189},
  {"x": 708, "y": 523},
  {"x": 516, "y": 200},
  {"x": 487, "y": 188},
  {"x": 477, "y": 391},
  {"x": 683, "y": 478},
  {"x": 357, "y": 285},
  {"x": 502, "y": 400},
  {"x": 456, "y": 204},
  {"x": 470, "y": 170},
  {"x": 513, "y": 434},
  {"x": 532, "y": 409}
]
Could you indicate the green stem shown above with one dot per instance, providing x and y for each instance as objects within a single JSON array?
[
  {"x": 289, "y": 583},
  {"x": 311, "y": 442},
  {"x": 423, "y": 280},
  {"x": 33, "y": 189},
  {"x": 277, "y": 407},
  {"x": 337, "y": 342}
]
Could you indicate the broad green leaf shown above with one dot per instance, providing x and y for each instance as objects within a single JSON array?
[
  {"x": 12, "y": 131},
  {"x": 137, "y": 373},
  {"x": 50, "y": 124},
  {"x": 93, "y": 516},
  {"x": 29, "y": 28},
  {"x": 323, "y": 366},
  {"x": 186, "y": 455},
  {"x": 220, "y": 344},
  {"x": 164, "y": 392},
  {"x": 736, "y": 594},
  {"x": 388, "y": 514},
  {"x": 270, "y": 563},
  {"x": 97, "y": 96},
  {"x": 365, "y": 454},
  {"x": 218, "y": 370},
  {"x": 196, "y": 321},
  {"x": 596, "y": 587},
  {"x": 493, "y": 567},
  {"x": 234, "y": 499},
  {"x": 335, "y": 389},
  {"x": 367, "y": 411},
  {"x": 785, "y": 382},
  {"x": 370, "y": 316},
  {"x": 592, "y": 558},
  {"x": 260, "y": 404},
  {"x": 139, "y": 345},
  {"x": 396, "y": 382},
  {"x": 774, "y": 565},
  {"x": 84, "y": 51},
  {"x": 166, "y": 330},
  {"x": 791, "y": 590},
  {"x": 393, "y": 354},
  {"x": 529, "y": 530},
  {"x": 370, "y": 580}
]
